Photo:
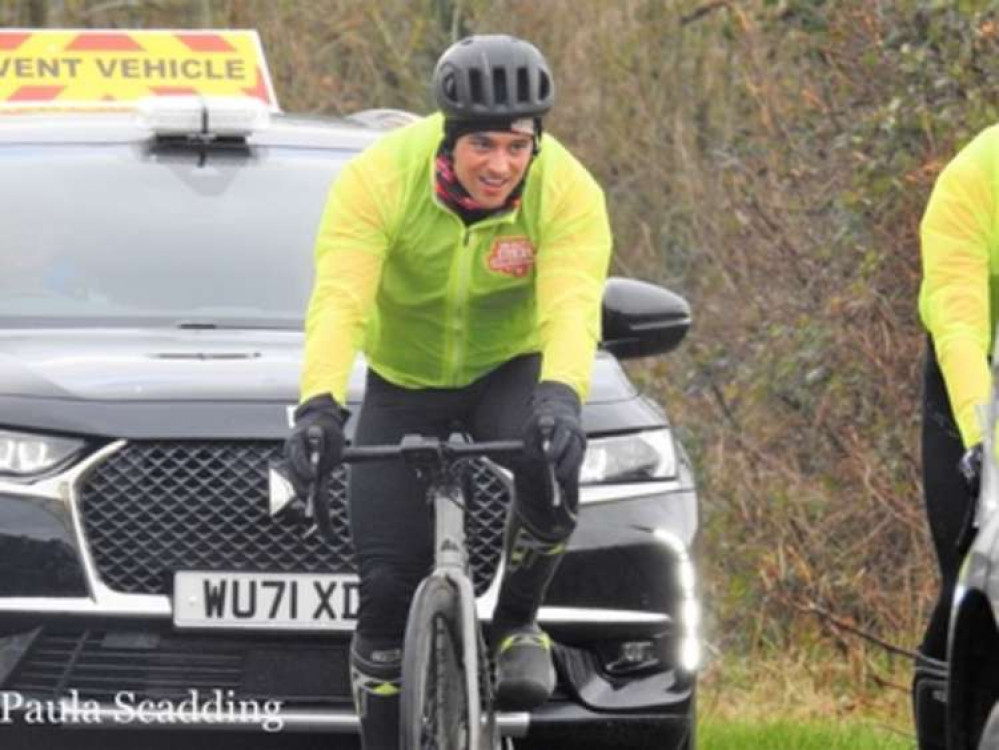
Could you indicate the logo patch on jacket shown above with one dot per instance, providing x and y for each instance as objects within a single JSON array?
[{"x": 513, "y": 256}]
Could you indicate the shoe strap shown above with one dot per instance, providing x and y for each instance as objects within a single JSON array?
[{"x": 539, "y": 639}]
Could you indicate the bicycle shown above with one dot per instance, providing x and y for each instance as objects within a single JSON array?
[{"x": 447, "y": 700}]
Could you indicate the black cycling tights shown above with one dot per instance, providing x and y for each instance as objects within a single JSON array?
[
  {"x": 947, "y": 500},
  {"x": 390, "y": 522}
]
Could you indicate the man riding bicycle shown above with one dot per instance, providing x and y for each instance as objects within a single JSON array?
[
  {"x": 465, "y": 255},
  {"x": 958, "y": 303}
]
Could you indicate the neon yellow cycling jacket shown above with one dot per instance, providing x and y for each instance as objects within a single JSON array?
[
  {"x": 435, "y": 304},
  {"x": 960, "y": 289}
]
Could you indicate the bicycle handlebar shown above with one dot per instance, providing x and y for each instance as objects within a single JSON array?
[
  {"x": 411, "y": 444},
  {"x": 413, "y": 449},
  {"x": 417, "y": 446}
]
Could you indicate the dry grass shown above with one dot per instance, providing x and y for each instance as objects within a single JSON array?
[
  {"x": 814, "y": 696},
  {"x": 813, "y": 683}
]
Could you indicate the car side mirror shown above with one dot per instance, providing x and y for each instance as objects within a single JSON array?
[{"x": 642, "y": 319}]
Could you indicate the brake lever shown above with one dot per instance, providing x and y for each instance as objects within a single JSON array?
[
  {"x": 318, "y": 506},
  {"x": 546, "y": 425},
  {"x": 315, "y": 439}
]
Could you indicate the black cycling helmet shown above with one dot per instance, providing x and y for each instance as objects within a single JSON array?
[{"x": 493, "y": 77}]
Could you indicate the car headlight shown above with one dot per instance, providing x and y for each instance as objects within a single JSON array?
[
  {"x": 23, "y": 455},
  {"x": 634, "y": 457}
]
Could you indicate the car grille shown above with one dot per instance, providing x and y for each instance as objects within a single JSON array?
[{"x": 156, "y": 507}]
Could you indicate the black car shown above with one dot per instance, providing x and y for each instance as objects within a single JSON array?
[{"x": 153, "y": 279}]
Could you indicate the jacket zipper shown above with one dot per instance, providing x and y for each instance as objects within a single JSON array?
[
  {"x": 458, "y": 321},
  {"x": 455, "y": 324}
]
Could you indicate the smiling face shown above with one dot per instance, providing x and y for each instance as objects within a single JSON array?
[{"x": 490, "y": 165}]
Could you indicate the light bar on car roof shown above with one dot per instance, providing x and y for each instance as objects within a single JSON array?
[{"x": 205, "y": 117}]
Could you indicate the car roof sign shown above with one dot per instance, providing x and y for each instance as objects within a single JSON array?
[{"x": 113, "y": 69}]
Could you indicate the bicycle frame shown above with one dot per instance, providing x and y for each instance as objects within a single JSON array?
[
  {"x": 451, "y": 562},
  {"x": 432, "y": 460}
]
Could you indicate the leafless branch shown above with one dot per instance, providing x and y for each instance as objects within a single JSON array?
[
  {"x": 841, "y": 624},
  {"x": 704, "y": 10}
]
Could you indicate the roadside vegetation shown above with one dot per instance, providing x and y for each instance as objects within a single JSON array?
[
  {"x": 787, "y": 735},
  {"x": 817, "y": 696},
  {"x": 769, "y": 159}
]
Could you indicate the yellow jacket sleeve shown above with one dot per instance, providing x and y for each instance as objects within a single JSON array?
[
  {"x": 351, "y": 245},
  {"x": 956, "y": 236},
  {"x": 572, "y": 262}
]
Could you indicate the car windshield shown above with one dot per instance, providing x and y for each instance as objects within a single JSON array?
[{"x": 123, "y": 235}]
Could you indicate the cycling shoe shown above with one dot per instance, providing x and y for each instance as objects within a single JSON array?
[{"x": 525, "y": 675}]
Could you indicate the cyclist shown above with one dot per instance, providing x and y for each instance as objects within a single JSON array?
[
  {"x": 958, "y": 304},
  {"x": 465, "y": 254}
]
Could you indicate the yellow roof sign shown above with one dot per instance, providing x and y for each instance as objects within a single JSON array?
[{"x": 72, "y": 67}]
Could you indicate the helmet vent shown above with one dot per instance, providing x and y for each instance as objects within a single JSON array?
[
  {"x": 475, "y": 84},
  {"x": 546, "y": 86},
  {"x": 450, "y": 87},
  {"x": 500, "y": 95},
  {"x": 523, "y": 85}
]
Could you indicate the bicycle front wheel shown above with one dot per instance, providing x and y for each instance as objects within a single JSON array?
[{"x": 435, "y": 705}]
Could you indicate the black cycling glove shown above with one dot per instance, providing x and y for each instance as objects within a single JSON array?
[
  {"x": 324, "y": 413},
  {"x": 555, "y": 416},
  {"x": 970, "y": 467}
]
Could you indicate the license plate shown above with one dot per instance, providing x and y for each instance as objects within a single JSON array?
[{"x": 282, "y": 601}]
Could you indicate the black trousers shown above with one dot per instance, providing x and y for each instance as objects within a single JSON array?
[
  {"x": 390, "y": 521},
  {"x": 945, "y": 496}
]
